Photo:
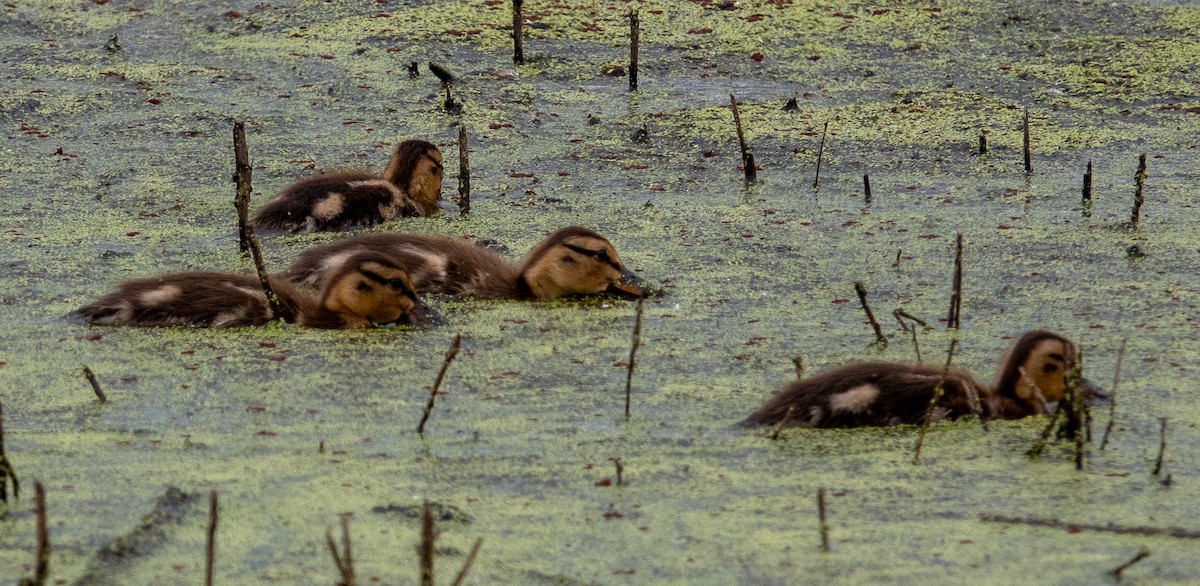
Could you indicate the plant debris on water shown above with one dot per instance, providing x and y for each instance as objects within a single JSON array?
[{"x": 118, "y": 162}]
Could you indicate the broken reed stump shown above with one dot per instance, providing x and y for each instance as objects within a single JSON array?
[
  {"x": 1140, "y": 182},
  {"x": 6, "y": 469},
  {"x": 41, "y": 568},
  {"x": 820, "y": 156},
  {"x": 345, "y": 560},
  {"x": 464, "y": 174},
  {"x": 637, "y": 341},
  {"x": 425, "y": 548},
  {"x": 518, "y": 24},
  {"x": 866, "y": 189},
  {"x": 861, "y": 289},
  {"x": 1112, "y": 396},
  {"x": 747, "y": 156},
  {"x": 1119, "y": 571},
  {"x": 783, "y": 422},
  {"x": 821, "y": 517},
  {"x": 1162, "y": 447},
  {"x": 982, "y": 142},
  {"x": 902, "y": 315},
  {"x": 1086, "y": 199},
  {"x": 462, "y": 574},
  {"x": 450, "y": 354},
  {"x": 264, "y": 279},
  {"x": 937, "y": 394},
  {"x": 1028, "y": 151},
  {"x": 91, "y": 377},
  {"x": 798, "y": 362},
  {"x": 634, "y": 34},
  {"x": 241, "y": 176},
  {"x": 620, "y": 470},
  {"x": 210, "y": 546},
  {"x": 953, "y": 319}
]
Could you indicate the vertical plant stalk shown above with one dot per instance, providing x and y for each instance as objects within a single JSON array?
[
  {"x": 1077, "y": 419},
  {"x": 1119, "y": 571},
  {"x": 345, "y": 560},
  {"x": 620, "y": 471},
  {"x": 937, "y": 394},
  {"x": 861, "y": 289},
  {"x": 748, "y": 165},
  {"x": 1162, "y": 446},
  {"x": 241, "y": 201},
  {"x": 787, "y": 417},
  {"x": 953, "y": 319},
  {"x": 41, "y": 568},
  {"x": 1028, "y": 149},
  {"x": 902, "y": 315},
  {"x": 1086, "y": 199},
  {"x": 518, "y": 33},
  {"x": 866, "y": 189},
  {"x": 1112, "y": 396},
  {"x": 6, "y": 469},
  {"x": 425, "y": 549},
  {"x": 820, "y": 157},
  {"x": 821, "y": 517},
  {"x": 798, "y": 362},
  {"x": 91, "y": 377},
  {"x": 464, "y": 174},
  {"x": 634, "y": 37},
  {"x": 264, "y": 280},
  {"x": 982, "y": 142},
  {"x": 437, "y": 383},
  {"x": 462, "y": 574},
  {"x": 1140, "y": 182},
  {"x": 210, "y": 548},
  {"x": 633, "y": 346}
]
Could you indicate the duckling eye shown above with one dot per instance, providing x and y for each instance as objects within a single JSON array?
[
  {"x": 602, "y": 256},
  {"x": 1050, "y": 368},
  {"x": 395, "y": 283},
  {"x": 363, "y": 286}
]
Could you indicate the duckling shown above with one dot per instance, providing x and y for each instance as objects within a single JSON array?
[
  {"x": 411, "y": 185},
  {"x": 1032, "y": 373},
  {"x": 368, "y": 289},
  {"x": 571, "y": 261}
]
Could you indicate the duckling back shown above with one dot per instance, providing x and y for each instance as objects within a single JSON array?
[
  {"x": 203, "y": 299},
  {"x": 435, "y": 264},
  {"x": 335, "y": 201},
  {"x": 872, "y": 394}
]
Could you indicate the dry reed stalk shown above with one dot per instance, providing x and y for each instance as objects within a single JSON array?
[{"x": 450, "y": 354}]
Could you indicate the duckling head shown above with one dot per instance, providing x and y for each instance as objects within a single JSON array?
[
  {"x": 416, "y": 167},
  {"x": 577, "y": 261},
  {"x": 1038, "y": 362},
  {"x": 370, "y": 289}
]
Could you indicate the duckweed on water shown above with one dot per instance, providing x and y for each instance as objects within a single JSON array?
[{"x": 519, "y": 448}]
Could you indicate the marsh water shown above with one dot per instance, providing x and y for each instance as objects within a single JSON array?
[{"x": 117, "y": 164}]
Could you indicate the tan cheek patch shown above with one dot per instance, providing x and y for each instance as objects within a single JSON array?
[{"x": 855, "y": 400}]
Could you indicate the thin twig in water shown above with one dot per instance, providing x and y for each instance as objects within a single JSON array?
[
  {"x": 861, "y": 289},
  {"x": 264, "y": 279},
  {"x": 1119, "y": 571},
  {"x": 953, "y": 320},
  {"x": 41, "y": 569},
  {"x": 866, "y": 189},
  {"x": 783, "y": 422},
  {"x": 637, "y": 341},
  {"x": 820, "y": 156},
  {"x": 425, "y": 549},
  {"x": 518, "y": 34},
  {"x": 210, "y": 547},
  {"x": 1077, "y": 527},
  {"x": 242, "y": 173},
  {"x": 1028, "y": 149},
  {"x": 345, "y": 560},
  {"x": 1086, "y": 199},
  {"x": 462, "y": 574},
  {"x": 620, "y": 470},
  {"x": 900, "y": 316},
  {"x": 91, "y": 377},
  {"x": 464, "y": 174},
  {"x": 450, "y": 354},
  {"x": 1112, "y": 396},
  {"x": 1138, "y": 200},
  {"x": 634, "y": 34},
  {"x": 937, "y": 394},
  {"x": 798, "y": 362},
  {"x": 821, "y": 517},
  {"x": 6, "y": 469},
  {"x": 747, "y": 156},
  {"x": 1162, "y": 446}
]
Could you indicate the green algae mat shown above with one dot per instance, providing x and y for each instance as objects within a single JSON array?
[{"x": 117, "y": 164}]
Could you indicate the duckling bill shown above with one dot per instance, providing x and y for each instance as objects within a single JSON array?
[
  {"x": 1032, "y": 374},
  {"x": 411, "y": 185},
  {"x": 571, "y": 261},
  {"x": 369, "y": 289}
]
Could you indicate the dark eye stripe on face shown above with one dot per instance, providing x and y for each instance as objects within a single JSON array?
[
  {"x": 599, "y": 255},
  {"x": 404, "y": 290},
  {"x": 437, "y": 167}
]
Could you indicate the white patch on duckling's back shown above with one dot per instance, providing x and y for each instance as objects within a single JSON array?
[
  {"x": 433, "y": 270},
  {"x": 854, "y": 400},
  {"x": 330, "y": 207},
  {"x": 160, "y": 295}
]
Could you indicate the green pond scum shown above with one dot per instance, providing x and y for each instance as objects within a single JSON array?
[{"x": 117, "y": 164}]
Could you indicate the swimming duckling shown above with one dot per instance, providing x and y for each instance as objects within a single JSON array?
[
  {"x": 368, "y": 289},
  {"x": 1032, "y": 373},
  {"x": 411, "y": 185},
  {"x": 571, "y": 261}
]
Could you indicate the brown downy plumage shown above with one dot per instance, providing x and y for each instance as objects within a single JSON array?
[
  {"x": 571, "y": 261},
  {"x": 369, "y": 289},
  {"x": 1032, "y": 373},
  {"x": 410, "y": 186}
]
